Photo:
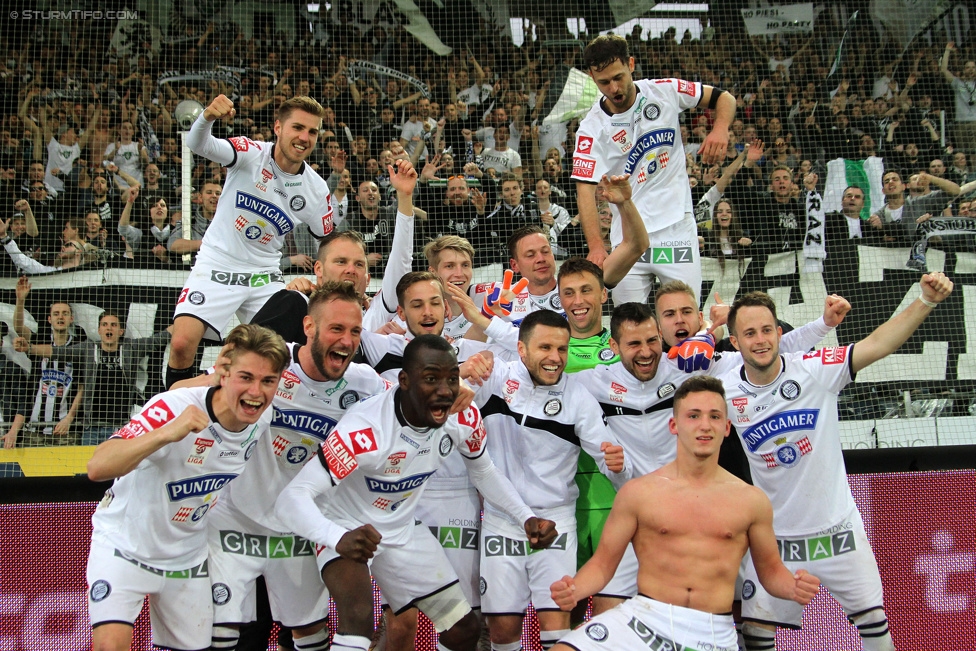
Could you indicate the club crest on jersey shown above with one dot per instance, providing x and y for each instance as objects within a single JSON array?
[
  {"x": 651, "y": 112},
  {"x": 201, "y": 448},
  {"x": 790, "y": 390},
  {"x": 446, "y": 446},
  {"x": 297, "y": 202},
  {"x": 597, "y": 632},
  {"x": 552, "y": 407},
  {"x": 348, "y": 399},
  {"x": 606, "y": 355},
  {"x": 100, "y": 590},
  {"x": 666, "y": 390}
]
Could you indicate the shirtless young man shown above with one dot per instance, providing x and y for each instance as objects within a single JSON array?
[{"x": 691, "y": 523}]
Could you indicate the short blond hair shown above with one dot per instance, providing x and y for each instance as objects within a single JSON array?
[
  {"x": 433, "y": 249},
  {"x": 300, "y": 103},
  {"x": 252, "y": 338}
]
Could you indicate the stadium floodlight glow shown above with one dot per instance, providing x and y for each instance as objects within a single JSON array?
[
  {"x": 186, "y": 113},
  {"x": 312, "y": 7}
]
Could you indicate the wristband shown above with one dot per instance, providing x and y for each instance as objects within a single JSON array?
[
  {"x": 927, "y": 302},
  {"x": 6, "y": 240}
]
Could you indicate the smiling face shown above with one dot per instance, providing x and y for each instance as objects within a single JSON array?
[
  {"x": 701, "y": 423},
  {"x": 343, "y": 260},
  {"x": 757, "y": 337},
  {"x": 723, "y": 214},
  {"x": 679, "y": 317},
  {"x": 430, "y": 388},
  {"x": 297, "y": 136},
  {"x": 544, "y": 354},
  {"x": 454, "y": 268},
  {"x": 639, "y": 348},
  {"x": 456, "y": 193},
  {"x": 583, "y": 298},
  {"x": 333, "y": 331},
  {"x": 247, "y": 390},
  {"x": 423, "y": 308}
]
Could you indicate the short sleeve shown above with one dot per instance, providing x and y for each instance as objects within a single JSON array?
[
  {"x": 589, "y": 164},
  {"x": 687, "y": 94},
  {"x": 831, "y": 366},
  {"x": 472, "y": 434}
]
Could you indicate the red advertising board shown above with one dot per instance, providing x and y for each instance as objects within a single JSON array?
[{"x": 922, "y": 527}]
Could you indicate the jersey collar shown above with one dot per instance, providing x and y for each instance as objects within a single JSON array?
[
  {"x": 301, "y": 170},
  {"x": 782, "y": 371},
  {"x": 609, "y": 114}
]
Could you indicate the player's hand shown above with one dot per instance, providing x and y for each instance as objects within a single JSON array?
[
  {"x": 9, "y": 440},
  {"x": 806, "y": 588},
  {"x": 613, "y": 456},
  {"x": 21, "y": 345},
  {"x": 301, "y": 284},
  {"x": 222, "y": 365},
  {"x": 403, "y": 177},
  {"x": 835, "y": 309},
  {"x": 616, "y": 189},
  {"x": 541, "y": 532},
  {"x": 220, "y": 108},
  {"x": 23, "y": 288},
  {"x": 499, "y": 300},
  {"x": 477, "y": 368},
  {"x": 193, "y": 419},
  {"x": 360, "y": 544},
  {"x": 390, "y": 328},
  {"x": 718, "y": 314},
  {"x": 63, "y": 426},
  {"x": 694, "y": 353},
  {"x": 563, "y": 592},
  {"x": 935, "y": 287},
  {"x": 597, "y": 256},
  {"x": 464, "y": 399},
  {"x": 715, "y": 145},
  {"x": 468, "y": 308}
]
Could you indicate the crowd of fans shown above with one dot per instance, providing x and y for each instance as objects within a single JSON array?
[{"x": 91, "y": 169}]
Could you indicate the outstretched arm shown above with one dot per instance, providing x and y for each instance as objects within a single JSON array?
[
  {"x": 200, "y": 140},
  {"x": 890, "y": 336}
]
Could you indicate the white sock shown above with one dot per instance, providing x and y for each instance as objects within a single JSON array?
[
  {"x": 512, "y": 646},
  {"x": 548, "y": 639},
  {"x": 314, "y": 642},
  {"x": 350, "y": 643}
]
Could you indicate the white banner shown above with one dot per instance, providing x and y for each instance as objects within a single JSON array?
[{"x": 785, "y": 19}]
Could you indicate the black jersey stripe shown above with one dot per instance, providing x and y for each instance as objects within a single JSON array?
[{"x": 565, "y": 431}]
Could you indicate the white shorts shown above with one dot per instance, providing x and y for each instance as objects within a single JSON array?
[
  {"x": 513, "y": 575},
  {"x": 240, "y": 553},
  {"x": 454, "y": 517},
  {"x": 623, "y": 585},
  {"x": 407, "y": 574},
  {"x": 842, "y": 560},
  {"x": 642, "y": 623},
  {"x": 179, "y": 605},
  {"x": 673, "y": 255},
  {"x": 213, "y": 297}
]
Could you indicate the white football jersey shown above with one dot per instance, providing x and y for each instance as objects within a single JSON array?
[
  {"x": 304, "y": 413},
  {"x": 381, "y": 463},
  {"x": 156, "y": 513},
  {"x": 259, "y": 204},
  {"x": 790, "y": 432},
  {"x": 645, "y": 142},
  {"x": 385, "y": 352}
]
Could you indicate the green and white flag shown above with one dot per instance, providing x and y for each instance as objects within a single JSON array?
[
  {"x": 578, "y": 95},
  {"x": 865, "y": 174}
]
